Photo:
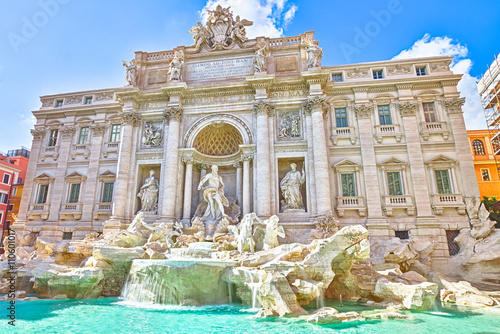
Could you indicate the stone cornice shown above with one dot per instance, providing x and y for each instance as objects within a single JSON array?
[
  {"x": 261, "y": 81},
  {"x": 128, "y": 94},
  {"x": 174, "y": 89}
]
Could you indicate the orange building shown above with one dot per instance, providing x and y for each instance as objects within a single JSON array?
[{"x": 484, "y": 163}]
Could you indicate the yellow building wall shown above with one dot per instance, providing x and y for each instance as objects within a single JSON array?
[{"x": 16, "y": 202}]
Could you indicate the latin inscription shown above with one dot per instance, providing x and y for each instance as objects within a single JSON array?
[
  {"x": 219, "y": 69},
  {"x": 288, "y": 94}
]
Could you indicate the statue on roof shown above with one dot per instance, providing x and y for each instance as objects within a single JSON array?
[
  {"x": 131, "y": 75},
  {"x": 259, "y": 59},
  {"x": 200, "y": 35},
  {"x": 175, "y": 67},
  {"x": 314, "y": 53}
]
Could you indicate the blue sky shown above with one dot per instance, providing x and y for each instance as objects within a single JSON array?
[{"x": 77, "y": 45}]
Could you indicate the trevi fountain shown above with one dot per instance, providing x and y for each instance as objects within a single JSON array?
[{"x": 228, "y": 269}]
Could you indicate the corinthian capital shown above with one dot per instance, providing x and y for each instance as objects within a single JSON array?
[
  {"x": 98, "y": 129},
  {"x": 67, "y": 131},
  {"x": 454, "y": 106},
  {"x": 173, "y": 114},
  {"x": 263, "y": 107},
  {"x": 315, "y": 104},
  {"x": 363, "y": 110},
  {"x": 130, "y": 117},
  {"x": 37, "y": 134},
  {"x": 407, "y": 108}
]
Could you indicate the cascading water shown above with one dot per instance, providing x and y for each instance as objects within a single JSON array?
[{"x": 254, "y": 287}]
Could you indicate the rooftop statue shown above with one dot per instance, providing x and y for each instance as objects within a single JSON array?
[
  {"x": 259, "y": 60},
  {"x": 314, "y": 53},
  {"x": 175, "y": 67},
  {"x": 131, "y": 75}
]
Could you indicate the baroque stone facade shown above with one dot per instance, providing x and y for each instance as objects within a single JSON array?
[{"x": 379, "y": 145}]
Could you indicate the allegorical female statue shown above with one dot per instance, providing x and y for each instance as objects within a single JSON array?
[
  {"x": 175, "y": 67},
  {"x": 290, "y": 188},
  {"x": 149, "y": 194},
  {"x": 213, "y": 194}
]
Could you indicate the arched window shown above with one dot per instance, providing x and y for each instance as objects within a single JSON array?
[{"x": 478, "y": 147}]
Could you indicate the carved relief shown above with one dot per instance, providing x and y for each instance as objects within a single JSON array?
[
  {"x": 47, "y": 103},
  {"x": 152, "y": 134},
  {"x": 262, "y": 107},
  {"x": 454, "y": 106},
  {"x": 131, "y": 118},
  {"x": 407, "y": 108},
  {"x": 440, "y": 67},
  {"x": 173, "y": 114},
  {"x": 289, "y": 125},
  {"x": 103, "y": 96},
  {"x": 357, "y": 73},
  {"x": 131, "y": 72},
  {"x": 73, "y": 100},
  {"x": 363, "y": 110},
  {"x": 398, "y": 70}
]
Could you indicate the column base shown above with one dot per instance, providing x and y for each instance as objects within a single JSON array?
[
  {"x": 427, "y": 222},
  {"x": 378, "y": 227},
  {"x": 115, "y": 224}
]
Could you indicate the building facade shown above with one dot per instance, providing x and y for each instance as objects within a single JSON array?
[
  {"x": 19, "y": 158},
  {"x": 9, "y": 175},
  {"x": 382, "y": 144},
  {"x": 484, "y": 163}
]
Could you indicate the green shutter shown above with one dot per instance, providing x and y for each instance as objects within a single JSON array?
[
  {"x": 107, "y": 193},
  {"x": 74, "y": 193},
  {"x": 443, "y": 181},
  {"x": 348, "y": 188},
  {"x": 394, "y": 183}
]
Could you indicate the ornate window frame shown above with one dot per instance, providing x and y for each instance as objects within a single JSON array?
[
  {"x": 102, "y": 209},
  {"x": 403, "y": 201},
  {"x": 357, "y": 202},
  {"x": 40, "y": 209},
  {"x": 391, "y": 130},
  {"x": 343, "y": 133}
]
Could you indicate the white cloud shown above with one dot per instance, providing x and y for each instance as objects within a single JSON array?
[
  {"x": 269, "y": 17},
  {"x": 445, "y": 46}
]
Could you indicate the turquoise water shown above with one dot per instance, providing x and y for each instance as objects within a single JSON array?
[{"x": 113, "y": 316}]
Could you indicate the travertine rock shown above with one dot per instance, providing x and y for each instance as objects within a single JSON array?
[
  {"x": 462, "y": 293},
  {"x": 415, "y": 297}
]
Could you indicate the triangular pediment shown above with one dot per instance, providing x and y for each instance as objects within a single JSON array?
[
  {"x": 393, "y": 161},
  {"x": 44, "y": 176},
  {"x": 75, "y": 175},
  {"x": 107, "y": 173},
  {"x": 346, "y": 163},
  {"x": 441, "y": 159}
]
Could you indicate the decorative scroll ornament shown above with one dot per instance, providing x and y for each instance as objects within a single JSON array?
[
  {"x": 363, "y": 110},
  {"x": 98, "y": 129},
  {"x": 454, "y": 106},
  {"x": 314, "y": 104},
  {"x": 263, "y": 107},
  {"x": 37, "y": 134},
  {"x": 131, "y": 75},
  {"x": 67, "y": 131},
  {"x": 173, "y": 114},
  {"x": 407, "y": 108},
  {"x": 221, "y": 31},
  {"x": 131, "y": 118}
]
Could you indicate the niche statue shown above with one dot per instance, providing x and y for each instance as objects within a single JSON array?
[
  {"x": 149, "y": 194},
  {"x": 290, "y": 189},
  {"x": 213, "y": 194}
]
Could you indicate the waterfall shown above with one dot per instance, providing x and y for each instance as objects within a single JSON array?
[
  {"x": 254, "y": 287},
  {"x": 320, "y": 299}
]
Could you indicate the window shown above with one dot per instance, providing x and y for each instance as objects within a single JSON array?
[
  {"x": 429, "y": 113},
  {"x": 74, "y": 193},
  {"x": 485, "y": 174},
  {"x": 115, "y": 133},
  {"x": 10, "y": 207},
  {"x": 6, "y": 178},
  {"x": 84, "y": 135},
  {"x": 107, "y": 193},
  {"x": 403, "y": 235},
  {"x": 59, "y": 103},
  {"x": 42, "y": 194},
  {"x": 341, "y": 117},
  {"x": 378, "y": 74},
  {"x": 478, "y": 147},
  {"x": 443, "y": 181},
  {"x": 88, "y": 100},
  {"x": 394, "y": 183},
  {"x": 53, "y": 137},
  {"x": 4, "y": 198},
  {"x": 348, "y": 185},
  {"x": 19, "y": 180},
  {"x": 14, "y": 191},
  {"x": 337, "y": 77},
  {"x": 67, "y": 235},
  {"x": 421, "y": 71},
  {"x": 453, "y": 247},
  {"x": 384, "y": 113}
]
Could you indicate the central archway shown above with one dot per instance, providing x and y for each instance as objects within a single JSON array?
[{"x": 218, "y": 139}]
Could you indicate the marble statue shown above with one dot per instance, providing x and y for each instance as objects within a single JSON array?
[
  {"x": 151, "y": 136},
  {"x": 131, "y": 75},
  {"x": 243, "y": 233},
  {"x": 483, "y": 226},
  {"x": 259, "y": 60},
  {"x": 149, "y": 194},
  {"x": 200, "y": 35},
  {"x": 213, "y": 194},
  {"x": 290, "y": 188},
  {"x": 314, "y": 54},
  {"x": 271, "y": 232},
  {"x": 175, "y": 67},
  {"x": 238, "y": 32},
  {"x": 135, "y": 235}
]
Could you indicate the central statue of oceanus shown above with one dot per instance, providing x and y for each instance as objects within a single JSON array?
[{"x": 213, "y": 194}]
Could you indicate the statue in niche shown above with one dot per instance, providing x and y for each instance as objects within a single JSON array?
[
  {"x": 151, "y": 136},
  {"x": 259, "y": 60},
  {"x": 200, "y": 35},
  {"x": 175, "y": 67},
  {"x": 213, "y": 195},
  {"x": 131, "y": 75},
  {"x": 289, "y": 126},
  {"x": 269, "y": 236},
  {"x": 149, "y": 194},
  {"x": 314, "y": 54},
  {"x": 290, "y": 188}
]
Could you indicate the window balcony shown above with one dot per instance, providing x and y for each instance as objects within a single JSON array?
[
  {"x": 71, "y": 211},
  {"x": 392, "y": 202},
  {"x": 80, "y": 149},
  {"x": 442, "y": 201},
  {"x": 38, "y": 210},
  {"x": 351, "y": 203},
  {"x": 434, "y": 128},
  {"x": 389, "y": 131},
  {"x": 49, "y": 151},
  {"x": 343, "y": 133},
  {"x": 111, "y": 147},
  {"x": 102, "y": 210}
]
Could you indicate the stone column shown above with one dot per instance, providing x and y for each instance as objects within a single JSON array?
[
  {"x": 246, "y": 184},
  {"x": 188, "y": 186},
  {"x": 263, "y": 109},
  {"x": 130, "y": 119},
  {"x": 28, "y": 188},
  {"x": 93, "y": 171},
  {"x": 239, "y": 175},
  {"x": 317, "y": 107},
  {"x": 311, "y": 179},
  {"x": 57, "y": 192},
  {"x": 408, "y": 111},
  {"x": 173, "y": 116}
]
